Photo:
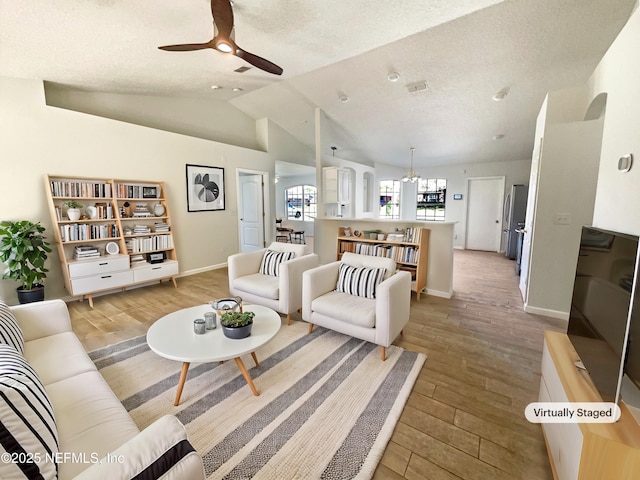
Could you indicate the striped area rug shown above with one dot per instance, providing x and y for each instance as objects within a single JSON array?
[{"x": 327, "y": 405}]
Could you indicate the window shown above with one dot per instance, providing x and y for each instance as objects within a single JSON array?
[
  {"x": 301, "y": 202},
  {"x": 390, "y": 199},
  {"x": 432, "y": 196}
]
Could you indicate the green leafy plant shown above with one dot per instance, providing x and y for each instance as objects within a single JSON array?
[
  {"x": 72, "y": 204},
  {"x": 23, "y": 249},
  {"x": 236, "y": 319}
]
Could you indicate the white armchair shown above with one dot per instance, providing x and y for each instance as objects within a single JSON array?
[
  {"x": 282, "y": 293},
  {"x": 377, "y": 320}
]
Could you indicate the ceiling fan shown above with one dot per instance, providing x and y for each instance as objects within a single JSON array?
[{"x": 223, "y": 39}]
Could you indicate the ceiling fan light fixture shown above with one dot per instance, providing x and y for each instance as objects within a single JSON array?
[
  {"x": 411, "y": 176},
  {"x": 224, "y": 47}
]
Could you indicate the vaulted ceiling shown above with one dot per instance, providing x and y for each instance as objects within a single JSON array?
[{"x": 336, "y": 55}]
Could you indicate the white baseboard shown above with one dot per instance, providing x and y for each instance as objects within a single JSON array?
[
  {"x": 439, "y": 293},
  {"x": 201, "y": 270},
  {"x": 547, "y": 312}
]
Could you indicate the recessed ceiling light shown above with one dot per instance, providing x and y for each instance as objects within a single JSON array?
[
  {"x": 499, "y": 136},
  {"x": 237, "y": 89},
  {"x": 393, "y": 77},
  {"x": 344, "y": 98},
  {"x": 215, "y": 87}
]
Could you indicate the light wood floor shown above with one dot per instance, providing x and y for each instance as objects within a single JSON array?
[{"x": 465, "y": 416}]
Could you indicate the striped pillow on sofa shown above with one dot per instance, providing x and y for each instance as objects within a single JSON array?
[
  {"x": 28, "y": 433},
  {"x": 10, "y": 332},
  {"x": 362, "y": 282},
  {"x": 271, "y": 261}
]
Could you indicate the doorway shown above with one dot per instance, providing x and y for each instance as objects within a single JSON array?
[
  {"x": 484, "y": 213},
  {"x": 252, "y": 197}
]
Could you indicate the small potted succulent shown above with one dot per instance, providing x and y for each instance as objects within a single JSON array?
[
  {"x": 237, "y": 325},
  {"x": 24, "y": 249},
  {"x": 73, "y": 210}
]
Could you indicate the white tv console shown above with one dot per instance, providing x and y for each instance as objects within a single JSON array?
[{"x": 584, "y": 450}]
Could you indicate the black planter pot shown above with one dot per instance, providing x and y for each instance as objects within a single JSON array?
[
  {"x": 237, "y": 333},
  {"x": 36, "y": 294}
]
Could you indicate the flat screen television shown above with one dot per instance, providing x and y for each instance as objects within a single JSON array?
[{"x": 603, "y": 327}]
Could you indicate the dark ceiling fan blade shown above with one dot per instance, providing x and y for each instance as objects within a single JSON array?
[
  {"x": 222, "y": 17},
  {"x": 258, "y": 62},
  {"x": 187, "y": 47}
]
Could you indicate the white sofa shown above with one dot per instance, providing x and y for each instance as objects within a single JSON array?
[
  {"x": 377, "y": 320},
  {"x": 282, "y": 292},
  {"x": 91, "y": 422}
]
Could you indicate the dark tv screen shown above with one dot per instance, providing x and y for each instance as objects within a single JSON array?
[{"x": 600, "y": 306}]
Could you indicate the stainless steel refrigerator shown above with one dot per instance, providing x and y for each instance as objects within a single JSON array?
[{"x": 514, "y": 213}]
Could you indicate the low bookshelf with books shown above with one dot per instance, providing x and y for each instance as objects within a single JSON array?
[
  {"x": 408, "y": 248},
  {"x": 121, "y": 236}
]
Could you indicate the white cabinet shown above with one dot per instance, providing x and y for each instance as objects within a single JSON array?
[
  {"x": 564, "y": 440},
  {"x": 584, "y": 451},
  {"x": 106, "y": 264},
  {"x": 149, "y": 272},
  {"x": 336, "y": 184},
  {"x": 104, "y": 273}
]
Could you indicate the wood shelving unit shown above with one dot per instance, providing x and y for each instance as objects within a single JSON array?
[
  {"x": 124, "y": 216},
  {"x": 410, "y": 254}
]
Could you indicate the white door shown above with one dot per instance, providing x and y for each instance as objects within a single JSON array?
[
  {"x": 528, "y": 221},
  {"x": 484, "y": 213},
  {"x": 251, "y": 211}
]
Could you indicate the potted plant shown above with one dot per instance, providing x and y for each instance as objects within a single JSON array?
[
  {"x": 73, "y": 210},
  {"x": 237, "y": 324},
  {"x": 23, "y": 249}
]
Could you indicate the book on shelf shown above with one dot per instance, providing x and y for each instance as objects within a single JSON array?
[
  {"x": 137, "y": 259},
  {"x": 138, "y": 229},
  {"x": 128, "y": 190},
  {"x": 149, "y": 244},
  {"x": 69, "y": 188},
  {"x": 399, "y": 253},
  {"x": 85, "y": 251},
  {"x": 83, "y": 231},
  {"x": 141, "y": 210}
]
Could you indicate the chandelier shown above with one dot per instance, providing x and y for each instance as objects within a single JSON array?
[{"x": 411, "y": 176}]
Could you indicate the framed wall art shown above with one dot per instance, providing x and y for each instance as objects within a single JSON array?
[{"x": 205, "y": 188}]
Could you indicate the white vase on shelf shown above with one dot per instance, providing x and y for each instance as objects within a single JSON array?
[{"x": 73, "y": 214}]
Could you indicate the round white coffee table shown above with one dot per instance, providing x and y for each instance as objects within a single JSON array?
[{"x": 172, "y": 337}]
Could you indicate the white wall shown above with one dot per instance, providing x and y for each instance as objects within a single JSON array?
[
  {"x": 515, "y": 172},
  {"x": 617, "y": 205},
  {"x": 36, "y": 139},
  {"x": 209, "y": 119},
  {"x": 566, "y": 185}
]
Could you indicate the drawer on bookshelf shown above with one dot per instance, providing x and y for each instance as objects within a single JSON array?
[
  {"x": 83, "y": 268},
  {"x": 103, "y": 281},
  {"x": 146, "y": 273}
]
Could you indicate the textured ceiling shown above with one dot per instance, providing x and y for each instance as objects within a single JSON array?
[{"x": 465, "y": 51}]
